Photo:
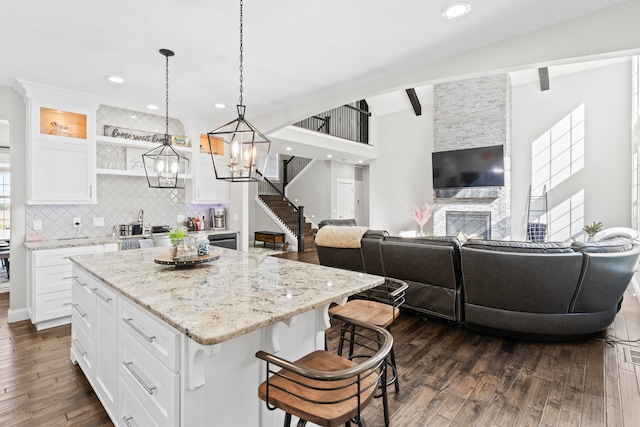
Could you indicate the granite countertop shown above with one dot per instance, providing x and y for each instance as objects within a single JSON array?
[
  {"x": 70, "y": 243},
  {"x": 236, "y": 294},
  {"x": 90, "y": 241}
]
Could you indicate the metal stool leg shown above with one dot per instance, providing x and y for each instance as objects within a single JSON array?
[{"x": 394, "y": 380}]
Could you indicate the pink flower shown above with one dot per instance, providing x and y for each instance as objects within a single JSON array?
[{"x": 421, "y": 215}]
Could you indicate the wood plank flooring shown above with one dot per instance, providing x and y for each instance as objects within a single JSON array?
[{"x": 449, "y": 377}]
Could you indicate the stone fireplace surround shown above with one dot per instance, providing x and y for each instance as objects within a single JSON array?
[
  {"x": 473, "y": 225},
  {"x": 471, "y": 113}
]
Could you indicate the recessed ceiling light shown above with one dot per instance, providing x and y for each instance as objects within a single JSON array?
[
  {"x": 133, "y": 116},
  {"x": 116, "y": 79},
  {"x": 456, "y": 10},
  {"x": 288, "y": 148},
  {"x": 329, "y": 156},
  {"x": 220, "y": 105},
  {"x": 360, "y": 161},
  {"x": 152, "y": 107}
]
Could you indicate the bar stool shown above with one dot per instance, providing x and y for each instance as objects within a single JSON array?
[
  {"x": 5, "y": 257},
  {"x": 324, "y": 388},
  {"x": 379, "y": 306}
]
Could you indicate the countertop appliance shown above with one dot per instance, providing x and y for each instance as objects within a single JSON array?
[
  {"x": 224, "y": 240},
  {"x": 219, "y": 218}
]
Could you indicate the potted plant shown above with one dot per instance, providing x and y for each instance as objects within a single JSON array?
[
  {"x": 175, "y": 237},
  {"x": 592, "y": 229}
]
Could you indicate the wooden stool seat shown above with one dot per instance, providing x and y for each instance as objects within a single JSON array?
[
  {"x": 373, "y": 312},
  {"x": 324, "y": 388},
  {"x": 328, "y": 414}
]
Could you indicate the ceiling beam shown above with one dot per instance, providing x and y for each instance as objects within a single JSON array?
[
  {"x": 415, "y": 102},
  {"x": 543, "y": 74}
]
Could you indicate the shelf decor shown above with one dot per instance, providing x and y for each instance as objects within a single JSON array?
[
  {"x": 248, "y": 147},
  {"x": 164, "y": 166},
  {"x": 134, "y": 135},
  {"x": 63, "y": 123}
]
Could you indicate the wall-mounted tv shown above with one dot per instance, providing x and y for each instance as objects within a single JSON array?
[{"x": 472, "y": 167}]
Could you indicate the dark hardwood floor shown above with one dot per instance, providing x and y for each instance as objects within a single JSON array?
[{"x": 449, "y": 377}]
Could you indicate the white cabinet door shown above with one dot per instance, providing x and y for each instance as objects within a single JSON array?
[
  {"x": 206, "y": 188},
  {"x": 62, "y": 172},
  {"x": 106, "y": 346}
]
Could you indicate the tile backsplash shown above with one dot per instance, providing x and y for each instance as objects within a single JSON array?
[{"x": 120, "y": 198}]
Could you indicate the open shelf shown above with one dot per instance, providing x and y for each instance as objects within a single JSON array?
[{"x": 135, "y": 144}]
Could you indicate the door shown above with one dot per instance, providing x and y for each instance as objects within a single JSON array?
[{"x": 345, "y": 199}]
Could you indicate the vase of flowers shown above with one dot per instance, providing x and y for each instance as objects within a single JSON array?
[{"x": 421, "y": 215}]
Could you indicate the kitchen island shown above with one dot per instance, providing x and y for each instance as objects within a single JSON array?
[{"x": 175, "y": 346}]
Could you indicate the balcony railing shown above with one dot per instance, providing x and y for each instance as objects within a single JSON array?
[{"x": 350, "y": 121}]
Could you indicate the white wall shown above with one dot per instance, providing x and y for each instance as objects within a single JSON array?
[
  {"x": 606, "y": 175},
  {"x": 12, "y": 108},
  {"x": 312, "y": 189},
  {"x": 401, "y": 176}
]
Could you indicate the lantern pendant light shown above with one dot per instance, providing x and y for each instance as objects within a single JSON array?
[
  {"x": 164, "y": 166},
  {"x": 238, "y": 148}
]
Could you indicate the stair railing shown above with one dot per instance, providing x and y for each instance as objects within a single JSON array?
[
  {"x": 347, "y": 121},
  {"x": 291, "y": 168},
  {"x": 296, "y": 223}
]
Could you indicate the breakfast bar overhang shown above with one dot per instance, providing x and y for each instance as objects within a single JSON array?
[{"x": 171, "y": 346}]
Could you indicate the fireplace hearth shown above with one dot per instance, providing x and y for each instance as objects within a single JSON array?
[{"x": 469, "y": 225}]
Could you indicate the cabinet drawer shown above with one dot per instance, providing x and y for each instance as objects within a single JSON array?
[
  {"x": 53, "y": 278},
  {"x": 132, "y": 413},
  {"x": 53, "y": 305},
  {"x": 152, "y": 383},
  {"x": 82, "y": 348},
  {"x": 152, "y": 334},
  {"x": 47, "y": 257},
  {"x": 82, "y": 282},
  {"x": 82, "y": 308}
]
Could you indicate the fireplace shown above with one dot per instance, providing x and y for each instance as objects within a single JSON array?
[{"x": 469, "y": 225}]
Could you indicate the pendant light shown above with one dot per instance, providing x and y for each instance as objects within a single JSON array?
[
  {"x": 244, "y": 148},
  {"x": 165, "y": 167}
]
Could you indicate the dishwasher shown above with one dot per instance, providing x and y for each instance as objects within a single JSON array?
[{"x": 224, "y": 240}]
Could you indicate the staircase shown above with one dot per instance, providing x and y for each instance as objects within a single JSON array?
[{"x": 288, "y": 214}]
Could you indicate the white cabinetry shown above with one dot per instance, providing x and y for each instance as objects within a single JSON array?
[
  {"x": 61, "y": 150},
  {"x": 131, "y": 359},
  {"x": 94, "y": 336},
  {"x": 106, "y": 367},
  {"x": 49, "y": 279},
  {"x": 205, "y": 188},
  {"x": 148, "y": 352}
]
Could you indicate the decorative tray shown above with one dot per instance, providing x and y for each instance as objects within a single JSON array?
[{"x": 168, "y": 260}]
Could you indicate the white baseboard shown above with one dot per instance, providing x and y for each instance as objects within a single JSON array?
[{"x": 17, "y": 315}]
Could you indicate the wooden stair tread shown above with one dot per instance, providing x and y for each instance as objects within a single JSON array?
[{"x": 330, "y": 414}]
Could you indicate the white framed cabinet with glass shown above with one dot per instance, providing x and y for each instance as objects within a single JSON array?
[{"x": 61, "y": 150}]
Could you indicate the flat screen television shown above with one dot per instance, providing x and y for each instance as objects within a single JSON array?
[{"x": 471, "y": 167}]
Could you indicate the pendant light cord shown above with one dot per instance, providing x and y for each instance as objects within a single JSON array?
[
  {"x": 241, "y": 50},
  {"x": 166, "y": 122}
]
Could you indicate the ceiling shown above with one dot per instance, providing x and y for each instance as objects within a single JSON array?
[{"x": 294, "y": 50}]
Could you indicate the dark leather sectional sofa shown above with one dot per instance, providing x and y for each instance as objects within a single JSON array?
[{"x": 520, "y": 289}]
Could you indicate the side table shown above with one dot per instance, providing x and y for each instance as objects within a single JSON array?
[{"x": 271, "y": 238}]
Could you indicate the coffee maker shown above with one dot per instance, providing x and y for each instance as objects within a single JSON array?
[{"x": 219, "y": 218}]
